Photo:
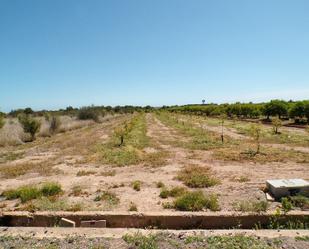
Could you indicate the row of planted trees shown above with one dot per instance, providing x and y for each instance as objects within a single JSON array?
[{"x": 297, "y": 110}]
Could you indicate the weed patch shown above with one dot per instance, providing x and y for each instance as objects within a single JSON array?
[
  {"x": 197, "y": 177},
  {"x": 196, "y": 201}
]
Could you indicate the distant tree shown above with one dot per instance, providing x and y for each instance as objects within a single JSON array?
[
  {"x": 30, "y": 125},
  {"x": 69, "y": 108},
  {"x": 28, "y": 111},
  {"x": 275, "y": 108},
  {"x": 297, "y": 110},
  {"x": 276, "y": 123}
]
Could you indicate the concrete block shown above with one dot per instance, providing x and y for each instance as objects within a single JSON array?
[
  {"x": 288, "y": 187},
  {"x": 93, "y": 223},
  {"x": 66, "y": 223}
]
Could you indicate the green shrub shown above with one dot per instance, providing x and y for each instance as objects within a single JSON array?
[
  {"x": 164, "y": 193},
  {"x": 136, "y": 185},
  {"x": 54, "y": 124},
  {"x": 30, "y": 125},
  {"x": 286, "y": 204},
  {"x": 51, "y": 189},
  {"x": 197, "y": 177},
  {"x": 196, "y": 201},
  {"x": 88, "y": 113}
]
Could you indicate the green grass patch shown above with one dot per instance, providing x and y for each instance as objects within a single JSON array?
[{"x": 30, "y": 192}]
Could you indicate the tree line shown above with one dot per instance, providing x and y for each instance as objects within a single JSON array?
[{"x": 296, "y": 110}]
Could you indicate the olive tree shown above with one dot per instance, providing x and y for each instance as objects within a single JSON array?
[
  {"x": 275, "y": 108},
  {"x": 255, "y": 132},
  {"x": 30, "y": 125},
  {"x": 276, "y": 123}
]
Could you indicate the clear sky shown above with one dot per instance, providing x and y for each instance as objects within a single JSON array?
[{"x": 55, "y": 53}]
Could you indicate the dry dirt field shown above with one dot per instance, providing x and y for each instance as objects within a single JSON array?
[{"x": 163, "y": 157}]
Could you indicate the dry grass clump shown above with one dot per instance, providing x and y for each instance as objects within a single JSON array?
[
  {"x": 10, "y": 156},
  {"x": 15, "y": 170},
  {"x": 250, "y": 206},
  {"x": 12, "y": 133},
  {"x": 108, "y": 197},
  {"x": 51, "y": 204},
  {"x": 108, "y": 173},
  {"x": 197, "y": 177},
  {"x": 173, "y": 192},
  {"x": 85, "y": 173},
  {"x": 132, "y": 207},
  {"x": 160, "y": 184},
  {"x": 69, "y": 123},
  {"x": 240, "y": 179}
]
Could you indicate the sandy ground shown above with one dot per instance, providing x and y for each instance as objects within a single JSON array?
[{"x": 68, "y": 154}]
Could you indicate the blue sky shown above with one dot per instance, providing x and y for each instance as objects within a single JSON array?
[{"x": 55, "y": 53}]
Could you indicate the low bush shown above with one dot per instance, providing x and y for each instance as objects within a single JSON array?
[
  {"x": 196, "y": 201},
  {"x": 88, "y": 113},
  {"x": 197, "y": 177}
]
